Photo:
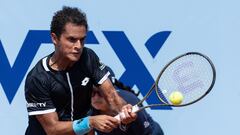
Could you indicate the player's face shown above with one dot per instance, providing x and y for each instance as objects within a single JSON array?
[
  {"x": 98, "y": 101},
  {"x": 70, "y": 44}
]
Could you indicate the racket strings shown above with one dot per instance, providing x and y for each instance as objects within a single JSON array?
[{"x": 191, "y": 74}]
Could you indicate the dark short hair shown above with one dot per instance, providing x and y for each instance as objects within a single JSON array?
[{"x": 67, "y": 15}]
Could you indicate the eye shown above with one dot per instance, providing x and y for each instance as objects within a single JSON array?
[
  {"x": 82, "y": 40},
  {"x": 72, "y": 39}
]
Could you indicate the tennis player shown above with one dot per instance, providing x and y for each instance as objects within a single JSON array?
[{"x": 59, "y": 87}]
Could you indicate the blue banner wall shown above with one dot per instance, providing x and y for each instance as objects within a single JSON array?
[{"x": 153, "y": 32}]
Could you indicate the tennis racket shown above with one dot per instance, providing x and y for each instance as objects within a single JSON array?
[{"x": 191, "y": 75}]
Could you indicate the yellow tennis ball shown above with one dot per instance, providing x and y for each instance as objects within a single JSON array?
[{"x": 176, "y": 97}]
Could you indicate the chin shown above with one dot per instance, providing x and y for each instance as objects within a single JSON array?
[
  {"x": 96, "y": 107},
  {"x": 74, "y": 58}
]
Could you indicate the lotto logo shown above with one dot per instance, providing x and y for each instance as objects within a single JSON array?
[{"x": 85, "y": 81}]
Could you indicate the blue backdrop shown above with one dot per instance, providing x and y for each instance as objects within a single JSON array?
[{"x": 125, "y": 35}]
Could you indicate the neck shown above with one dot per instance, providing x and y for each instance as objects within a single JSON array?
[{"x": 58, "y": 63}]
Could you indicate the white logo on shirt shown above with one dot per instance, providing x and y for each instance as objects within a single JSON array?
[
  {"x": 146, "y": 124},
  {"x": 85, "y": 81},
  {"x": 36, "y": 104},
  {"x": 102, "y": 65}
]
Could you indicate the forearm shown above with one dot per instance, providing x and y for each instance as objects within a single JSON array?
[
  {"x": 77, "y": 127},
  {"x": 115, "y": 101},
  {"x": 61, "y": 128},
  {"x": 112, "y": 97},
  {"x": 53, "y": 126}
]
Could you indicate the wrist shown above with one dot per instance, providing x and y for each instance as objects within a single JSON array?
[
  {"x": 91, "y": 121},
  {"x": 81, "y": 126}
]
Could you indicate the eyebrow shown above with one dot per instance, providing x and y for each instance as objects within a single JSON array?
[{"x": 76, "y": 37}]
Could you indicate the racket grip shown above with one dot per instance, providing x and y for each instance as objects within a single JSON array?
[{"x": 135, "y": 108}]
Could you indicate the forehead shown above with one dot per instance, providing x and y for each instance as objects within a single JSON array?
[{"x": 73, "y": 30}]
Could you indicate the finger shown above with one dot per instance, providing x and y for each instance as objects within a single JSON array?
[
  {"x": 126, "y": 117},
  {"x": 133, "y": 116},
  {"x": 129, "y": 107},
  {"x": 113, "y": 120},
  {"x": 122, "y": 115},
  {"x": 126, "y": 113},
  {"x": 106, "y": 128},
  {"x": 112, "y": 124}
]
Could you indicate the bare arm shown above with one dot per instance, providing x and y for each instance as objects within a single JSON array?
[
  {"x": 53, "y": 126},
  {"x": 110, "y": 94},
  {"x": 117, "y": 104}
]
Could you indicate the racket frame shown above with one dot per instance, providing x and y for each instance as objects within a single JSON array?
[
  {"x": 155, "y": 85},
  {"x": 138, "y": 107}
]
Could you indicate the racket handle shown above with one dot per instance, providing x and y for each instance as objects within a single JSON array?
[{"x": 135, "y": 108}]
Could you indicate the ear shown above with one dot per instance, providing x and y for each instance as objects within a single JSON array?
[{"x": 55, "y": 39}]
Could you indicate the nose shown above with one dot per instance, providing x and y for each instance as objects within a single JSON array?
[{"x": 78, "y": 45}]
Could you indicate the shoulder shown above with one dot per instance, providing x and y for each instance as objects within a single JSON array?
[
  {"x": 88, "y": 52},
  {"x": 36, "y": 70},
  {"x": 37, "y": 73},
  {"x": 87, "y": 57}
]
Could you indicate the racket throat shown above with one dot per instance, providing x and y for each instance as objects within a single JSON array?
[{"x": 135, "y": 108}]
